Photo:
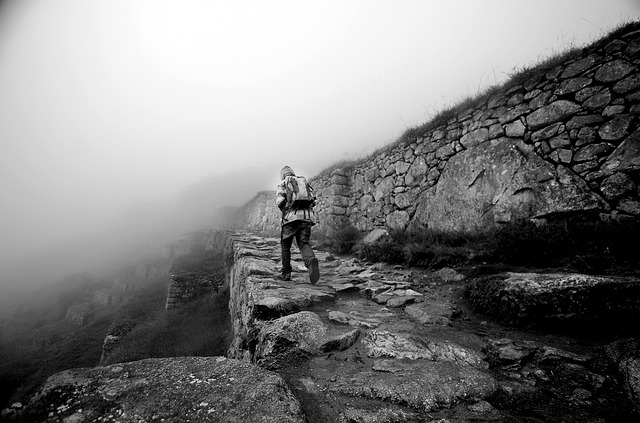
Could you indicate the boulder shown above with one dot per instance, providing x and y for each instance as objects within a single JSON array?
[
  {"x": 297, "y": 336},
  {"x": 557, "y": 298},
  {"x": 203, "y": 389}
]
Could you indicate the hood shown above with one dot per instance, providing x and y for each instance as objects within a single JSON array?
[{"x": 286, "y": 171}]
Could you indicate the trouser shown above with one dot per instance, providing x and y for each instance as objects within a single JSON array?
[{"x": 301, "y": 232}]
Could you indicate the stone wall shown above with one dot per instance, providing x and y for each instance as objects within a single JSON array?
[
  {"x": 184, "y": 288},
  {"x": 109, "y": 296},
  {"x": 565, "y": 140},
  {"x": 260, "y": 214},
  {"x": 188, "y": 282},
  {"x": 153, "y": 269},
  {"x": 80, "y": 314}
]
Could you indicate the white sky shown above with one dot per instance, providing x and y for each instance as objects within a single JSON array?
[{"x": 104, "y": 104}]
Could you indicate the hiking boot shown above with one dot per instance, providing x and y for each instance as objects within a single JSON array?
[
  {"x": 285, "y": 277},
  {"x": 314, "y": 271}
]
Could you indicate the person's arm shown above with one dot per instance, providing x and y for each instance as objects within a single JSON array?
[{"x": 281, "y": 196}]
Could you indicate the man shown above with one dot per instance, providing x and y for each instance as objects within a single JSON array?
[{"x": 296, "y": 198}]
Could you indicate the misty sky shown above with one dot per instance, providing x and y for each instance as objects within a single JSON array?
[{"x": 109, "y": 104}]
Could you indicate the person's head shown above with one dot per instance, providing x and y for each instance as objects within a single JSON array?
[{"x": 286, "y": 171}]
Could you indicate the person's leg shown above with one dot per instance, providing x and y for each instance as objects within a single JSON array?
[
  {"x": 302, "y": 239},
  {"x": 285, "y": 245}
]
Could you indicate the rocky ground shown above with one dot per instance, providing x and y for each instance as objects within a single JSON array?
[
  {"x": 379, "y": 343},
  {"x": 374, "y": 343}
]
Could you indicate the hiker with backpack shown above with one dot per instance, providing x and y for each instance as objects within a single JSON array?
[{"x": 296, "y": 198}]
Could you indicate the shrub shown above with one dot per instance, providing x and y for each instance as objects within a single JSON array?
[
  {"x": 436, "y": 256},
  {"x": 425, "y": 248},
  {"x": 388, "y": 249},
  {"x": 342, "y": 241},
  {"x": 576, "y": 244}
]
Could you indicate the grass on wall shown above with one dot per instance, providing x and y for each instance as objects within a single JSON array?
[{"x": 518, "y": 77}]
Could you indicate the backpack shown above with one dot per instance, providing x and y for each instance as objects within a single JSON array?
[{"x": 299, "y": 192}]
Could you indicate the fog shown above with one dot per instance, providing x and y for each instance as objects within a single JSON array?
[{"x": 126, "y": 123}]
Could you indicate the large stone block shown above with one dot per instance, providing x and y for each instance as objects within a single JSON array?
[
  {"x": 384, "y": 188},
  {"x": 572, "y": 85},
  {"x": 598, "y": 100},
  {"x": 614, "y": 71},
  {"x": 591, "y": 151},
  {"x": 515, "y": 129},
  {"x": 501, "y": 181},
  {"x": 578, "y": 66},
  {"x": 617, "y": 185},
  {"x": 616, "y": 129},
  {"x": 475, "y": 137},
  {"x": 398, "y": 220},
  {"x": 554, "y": 112}
]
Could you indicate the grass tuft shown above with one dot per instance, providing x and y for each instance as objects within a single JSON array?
[
  {"x": 579, "y": 245},
  {"x": 342, "y": 241}
]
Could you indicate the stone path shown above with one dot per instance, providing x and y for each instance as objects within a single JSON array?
[{"x": 379, "y": 343}]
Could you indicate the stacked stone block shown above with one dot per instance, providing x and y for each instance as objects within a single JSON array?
[
  {"x": 334, "y": 199},
  {"x": 188, "y": 287},
  {"x": 580, "y": 119},
  {"x": 581, "y": 115}
]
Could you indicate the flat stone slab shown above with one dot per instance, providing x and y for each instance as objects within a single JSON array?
[
  {"x": 273, "y": 299},
  {"x": 395, "y": 297},
  {"x": 339, "y": 287},
  {"x": 397, "y": 345},
  {"x": 203, "y": 389},
  {"x": 430, "y": 312},
  {"x": 354, "y": 319},
  {"x": 421, "y": 384},
  {"x": 253, "y": 265}
]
